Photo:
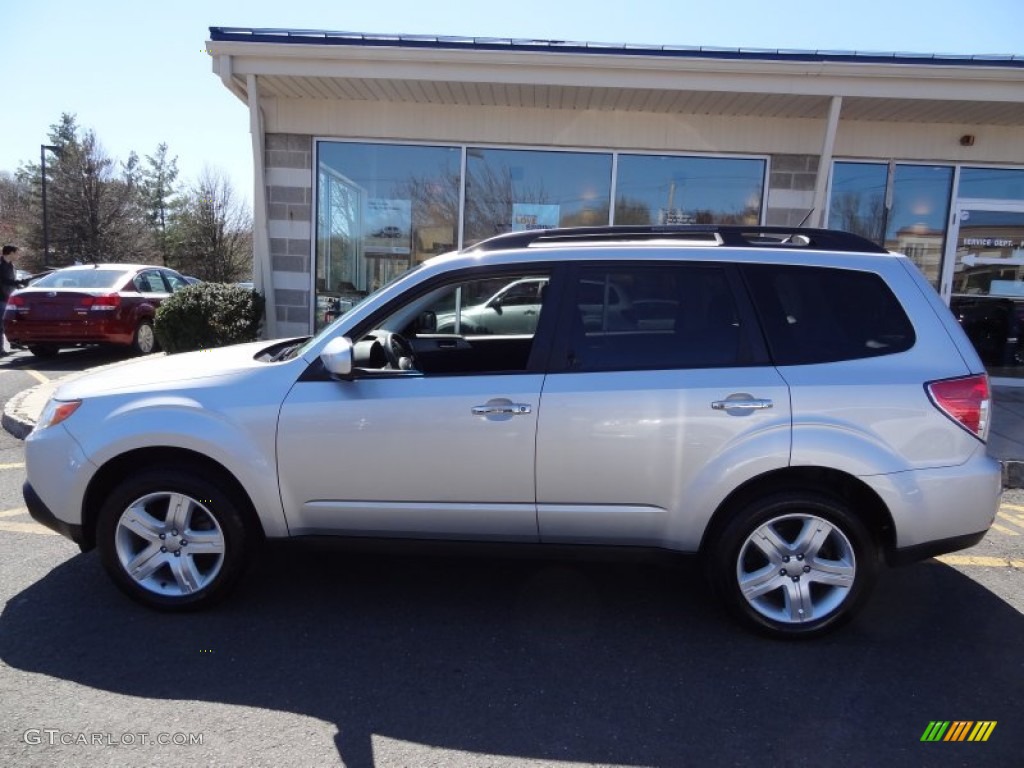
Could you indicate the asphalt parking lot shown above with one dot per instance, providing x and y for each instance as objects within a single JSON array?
[{"x": 336, "y": 655}]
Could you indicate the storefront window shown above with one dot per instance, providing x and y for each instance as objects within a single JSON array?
[
  {"x": 381, "y": 209},
  {"x": 858, "y": 199},
  {"x": 516, "y": 189},
  {"x": 657, "y": 189},
  {"x": 914, "y": 223},
  {"x": 992, "y": 183}
]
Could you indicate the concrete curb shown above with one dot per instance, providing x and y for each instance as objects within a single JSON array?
[
  {"x": 22, "y": 411},
  {"x": 16, "y": 418}
]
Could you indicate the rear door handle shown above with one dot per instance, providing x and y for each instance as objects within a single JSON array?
[{"x": 500, "y": 409}]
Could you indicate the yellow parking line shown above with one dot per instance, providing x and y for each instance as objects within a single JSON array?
[
  {"x": 1014, "y": 507},
  {"x": 16, "y": 465},
  {"x": 13, "y": 512},
  {"x": 41, "y": 378},
  {"x": 980, "y": 561},
  {"x": 1016, "y": 520},
  {"x": 1007, "y": 531},
  {"x": 26, "y": 528}
]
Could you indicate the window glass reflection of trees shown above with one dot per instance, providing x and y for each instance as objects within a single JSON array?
[
  {"x": 914, "y": 224},
  {"x": 382, "y": 208},
  {"x": 510, "y": 189},
  {"x": 665, "y": 190},
  {"x": 858, "y": 199}
]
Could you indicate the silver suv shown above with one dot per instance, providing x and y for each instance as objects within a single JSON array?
[{"x": 796, "y": 406}]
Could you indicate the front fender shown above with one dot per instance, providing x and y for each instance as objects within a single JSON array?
[{"x": 244, "y": 445}]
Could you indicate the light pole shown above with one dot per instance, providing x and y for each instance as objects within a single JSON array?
[{"x": 46, "y": 224}]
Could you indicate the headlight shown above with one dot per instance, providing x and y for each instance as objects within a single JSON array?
[{"x": 56, "y": 411}]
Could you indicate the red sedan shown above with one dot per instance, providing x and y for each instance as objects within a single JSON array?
[{"x": 90, "y": 304}]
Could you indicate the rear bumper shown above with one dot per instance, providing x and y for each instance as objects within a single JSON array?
[
  {"x": 86, "y": 331},
  {"x": 933, "y": 548},
  {"x": 940, "y": 510}
]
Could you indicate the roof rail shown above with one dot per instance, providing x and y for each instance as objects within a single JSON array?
[{"x": 711, "y": 234}]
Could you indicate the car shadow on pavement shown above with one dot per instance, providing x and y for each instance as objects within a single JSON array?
[
  {"x": 67, "y": 361},
  {"x": 588, "y": 661}
]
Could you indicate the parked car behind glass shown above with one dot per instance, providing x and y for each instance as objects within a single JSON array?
[{"x": 90, "y": 304}]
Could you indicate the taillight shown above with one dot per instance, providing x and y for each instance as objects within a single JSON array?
[
  {"x": 16, "y": 301},
  {"x": 965, "y": 400},
  {"x": 108, "y": 302}
]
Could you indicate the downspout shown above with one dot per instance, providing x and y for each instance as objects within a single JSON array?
[
  {"x": 825, "y": 162},
  {"x": 263, "y": 278}
]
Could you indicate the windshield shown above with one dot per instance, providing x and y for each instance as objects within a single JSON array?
[{"x": 86, "y": 277}]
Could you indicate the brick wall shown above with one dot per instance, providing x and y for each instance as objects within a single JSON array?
[{"x": 288, "y": 166}]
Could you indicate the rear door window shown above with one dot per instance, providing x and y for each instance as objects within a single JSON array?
[
  {"x": 820, "y": 314},
  {"x": 656, "y": 316}
]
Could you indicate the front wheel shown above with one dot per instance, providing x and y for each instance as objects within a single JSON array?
[
  {"x": 172, "y": 540},
  {"x": 794, "y": 565}
]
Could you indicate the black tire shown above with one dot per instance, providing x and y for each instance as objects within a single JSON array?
[
  {"x": 44, "y": 350},
  {"x": 141, "y": 515},
  {"x": 144, "y": 340},
  {"x": 830, "y": 572}
]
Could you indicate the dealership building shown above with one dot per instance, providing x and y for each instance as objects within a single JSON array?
[{"x": 373, "y": 152}]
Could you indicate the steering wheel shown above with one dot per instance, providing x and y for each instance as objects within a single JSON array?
[{"x": 398, "y": 351}]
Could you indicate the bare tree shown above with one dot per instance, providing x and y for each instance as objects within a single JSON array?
[
  {"x": 213, "y": 231},
  {"x": 859, "y": 213}
]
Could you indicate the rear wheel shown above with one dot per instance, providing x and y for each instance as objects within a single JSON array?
[
  {"x": 794, "y": 565},
  {"x": 172, "y": 540},
  {"x": 144, "y": 341},
  {"x": 44, "y": 350}
]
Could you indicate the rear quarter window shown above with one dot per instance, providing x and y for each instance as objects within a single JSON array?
[{"x": 820, "y": 314}]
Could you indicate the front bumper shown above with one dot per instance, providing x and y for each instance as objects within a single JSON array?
[{"x": 42, "y": 515}]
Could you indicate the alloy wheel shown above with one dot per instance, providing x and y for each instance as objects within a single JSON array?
[
  {"x": 169, "y": 544},
  {"x": 796, "y": 568}
]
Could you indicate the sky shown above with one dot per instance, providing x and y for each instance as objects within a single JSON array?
[{"x": 137, "y": 73}]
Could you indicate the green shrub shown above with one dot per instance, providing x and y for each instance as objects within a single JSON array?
[{"x": 208, "y": 315}]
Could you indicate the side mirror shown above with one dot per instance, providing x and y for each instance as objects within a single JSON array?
[
  {"x": 495, "y": 304},
  {"x": 337, "y": 357}
]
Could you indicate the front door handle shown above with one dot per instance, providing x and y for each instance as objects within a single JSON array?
[
  {"x": 744, "y": 404},
  {"x": 501, "y": 409}
]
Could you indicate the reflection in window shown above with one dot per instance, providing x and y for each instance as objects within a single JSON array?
[
  {"x": 858, "y": 199},
  {"x": 503, "y": 306},
  {"x": 992, "y": 183},
  {"x": 914, "y": 223},
  {"x": 514, "y": 189},
  {"x": 656, "y": 189},
  {"x": 381, "y": 209},
  {"x": 643, "y": 317}
]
